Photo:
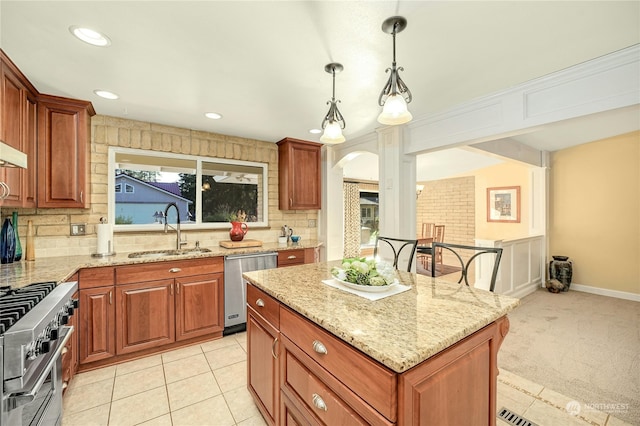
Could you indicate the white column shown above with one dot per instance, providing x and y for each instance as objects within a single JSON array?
[{"x": 331, "y": 217}]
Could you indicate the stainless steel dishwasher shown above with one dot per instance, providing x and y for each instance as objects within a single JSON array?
[{"x": 235, "y": 288}]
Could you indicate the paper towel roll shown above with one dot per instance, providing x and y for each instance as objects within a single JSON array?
[{"x": 105, "y": 238}]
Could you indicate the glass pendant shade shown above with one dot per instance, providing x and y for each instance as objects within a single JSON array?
[
  {"x": 332, "y": 133},
  {"x": 395, "y": 111}
]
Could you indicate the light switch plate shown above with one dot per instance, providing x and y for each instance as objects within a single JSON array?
[
  {"x": 312, "y": 223},
  {"x": 77, "y": 229}
]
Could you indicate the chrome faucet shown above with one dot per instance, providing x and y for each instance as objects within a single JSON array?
[{"x": 177, "y": 228}]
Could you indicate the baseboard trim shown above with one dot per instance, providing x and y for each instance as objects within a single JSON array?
[
  {"x": 606, "y": 292},
  {"x": 523, "y": 291}
]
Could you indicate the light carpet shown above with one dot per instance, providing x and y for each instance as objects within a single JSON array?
[{"x": 582, "y": 345}]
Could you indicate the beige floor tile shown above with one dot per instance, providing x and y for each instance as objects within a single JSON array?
[
  {"x": 219, "y": 343},
  {"x": 241, "y": 338},
  {"x": 512, "y": 399},
  {"x": 547, "y": 415},
  {"x": 94, "y": 376},
  {"x": 561, "y": 401},
  {"x": 186, "y": 367},
  {"x": 253, "y": 421},
  {"x": 138, "y": 381},
  {"x": 191, "y": 390},
  {"x": 226, "y": 356},
  {"x": 138, "y": 364},
  {"x": 96, "y": 416},
  {"x": 80, "y": 398},
  {"x": 164, "y": 420},
  {"x": 181, "y": 353},
  {"x": 212, "y": 411},
  {"x": 241, "y": 404},
  {"x": 139, "y": 408},
  {"x": 232, "y": 376},
  {"x": 519, "y": 382}
]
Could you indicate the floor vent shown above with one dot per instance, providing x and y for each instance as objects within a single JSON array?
[{"x": 514, "y": 419}]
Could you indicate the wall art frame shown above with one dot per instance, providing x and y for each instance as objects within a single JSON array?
[{"x": 503, "y": 204}]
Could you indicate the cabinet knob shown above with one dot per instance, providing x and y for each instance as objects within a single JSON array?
[
  {"x": 318, "y": 402},
  {"x": 260, "y": 303},
  {"x": 319, "y": 347},
  {"x": 175, "y": 270}
]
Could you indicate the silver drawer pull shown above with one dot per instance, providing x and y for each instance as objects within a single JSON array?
[
  {"x": 318, "y": 402},
  {"x": 260, "y": 303},
  {"x": 174, "y": 270},
  {"x": 292, "y": 257},
  {"x": 319, "y": 347}
]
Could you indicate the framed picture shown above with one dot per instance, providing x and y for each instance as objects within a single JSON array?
[{"x": 503, "y": 204}]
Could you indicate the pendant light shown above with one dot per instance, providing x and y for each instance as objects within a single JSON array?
[
  {"x": 333, "y": 122},
  {"x": 396, "y": 95}
]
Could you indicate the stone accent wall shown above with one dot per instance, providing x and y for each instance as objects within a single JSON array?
[
  {"x": 52, "y": 225},
  {"x": 449, "y": 202}
]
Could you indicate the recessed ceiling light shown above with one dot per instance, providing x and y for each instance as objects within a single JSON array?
[
  {"x": 90, "y": 36},
  {"x": 315, "y": 131},
  {"x": 213, "y": 115},
  {"x": 106, "y": 94}
]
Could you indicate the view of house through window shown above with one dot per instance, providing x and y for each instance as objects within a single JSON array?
[{"x": 206, "y": 191}]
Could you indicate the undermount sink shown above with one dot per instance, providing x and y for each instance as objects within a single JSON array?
[{"x": 165, "y": 253}]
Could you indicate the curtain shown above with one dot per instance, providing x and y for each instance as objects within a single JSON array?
[{"x": 351, "y": 219}]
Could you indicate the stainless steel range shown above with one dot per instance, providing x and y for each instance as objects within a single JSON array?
[{"x": 33, "y": 334}]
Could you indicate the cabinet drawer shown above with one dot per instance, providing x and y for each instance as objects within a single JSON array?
[
  {"x": 317, "y": 397},
  {"x": 96, "y": 277},
  {"x": 170, "y": 269},
  {"x": 363, "y": 375},
  {"x": 264, "y": 305},
  {"x": 290, "y": 257}
]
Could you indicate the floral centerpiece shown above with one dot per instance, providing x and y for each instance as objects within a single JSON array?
[{"x": 363, "y": 271}]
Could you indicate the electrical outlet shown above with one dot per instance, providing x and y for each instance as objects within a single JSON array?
[
  {"x": 78, "y": 229},
  {"x": 312, "y": 223}
]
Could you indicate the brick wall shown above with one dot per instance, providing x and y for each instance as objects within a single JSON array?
[
  {"x": 449, "y": 202},
  {"x": 52, "y": 225}
]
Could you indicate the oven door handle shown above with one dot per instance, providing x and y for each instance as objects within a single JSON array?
[{"x": 21, "y": 398}]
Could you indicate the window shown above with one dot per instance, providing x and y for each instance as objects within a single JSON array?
[{"x": 208, "y": 192}]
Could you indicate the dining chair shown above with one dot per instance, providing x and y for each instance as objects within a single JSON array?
[
  {"x": 427, "y": 230},
  {"x": 455, "y": 248},
  {"x": 427, "y": 254},
  {"x": 397, "y": 245}
]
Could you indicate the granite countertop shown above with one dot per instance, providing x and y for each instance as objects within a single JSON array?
[
  {"x": 59, "y": 269},
  {"x": 399, "y": 331}
]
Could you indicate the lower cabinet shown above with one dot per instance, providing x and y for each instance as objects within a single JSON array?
[
  {"x": 262, "y": 350},
  {"x": 133, "y": 309}
]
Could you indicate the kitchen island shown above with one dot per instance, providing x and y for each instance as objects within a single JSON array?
[{"x": 320, "y": 355}]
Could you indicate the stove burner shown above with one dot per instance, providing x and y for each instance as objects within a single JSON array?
[{"x": 15, "y": 303}]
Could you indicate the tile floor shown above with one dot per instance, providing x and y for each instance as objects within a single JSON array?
[{"x": 205, "y": 384}]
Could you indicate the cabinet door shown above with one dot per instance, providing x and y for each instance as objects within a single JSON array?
[
  {"x": 13, "y": 98},
  {"x": 199, "y": 305},
  {"x": 30, "y": 181},
  {"x": 262, "y": 365},
  {"x": 146, "y": 315},
  {"x": 64, "y": 130},
  {"x": 299, "y": 175},
  {"x": 97, "y": 324}
]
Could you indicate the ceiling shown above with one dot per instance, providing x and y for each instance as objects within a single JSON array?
[{"x": 261, "y": 63}]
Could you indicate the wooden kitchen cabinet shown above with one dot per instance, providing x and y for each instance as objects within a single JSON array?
[
  {"x": 96, "y": 328},
  {"x": 145, "y": 315},
  {"x": 195, "y": 297},
  {"x": 263, "y": 352},
  {"x": 64, "y": 131},
  {"x": 18, "y": 122},
  {"x": 299, "y": 174}
]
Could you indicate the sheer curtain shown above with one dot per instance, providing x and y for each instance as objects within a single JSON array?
[{"x": 351, "y": 219}]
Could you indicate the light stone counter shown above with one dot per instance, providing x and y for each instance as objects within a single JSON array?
[
  {"x": 399, "y": 331},
  {"x": 59, "y": 269}
]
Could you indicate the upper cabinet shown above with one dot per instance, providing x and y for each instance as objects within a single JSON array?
[
  {"x": 18, "y": 130},
  {"x": 64, "y": 129},
  {"x": 299, "y": 174}
]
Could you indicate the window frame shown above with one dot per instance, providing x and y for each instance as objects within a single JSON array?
[{"x": 111, "y": 201}]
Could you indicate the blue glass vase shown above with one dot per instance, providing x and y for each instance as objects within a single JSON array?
[{"x": 7, "y": 242}]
